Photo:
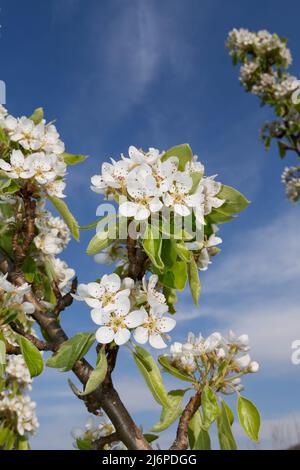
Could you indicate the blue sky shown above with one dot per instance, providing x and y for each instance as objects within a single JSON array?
[{"x": 156, "y": 73}]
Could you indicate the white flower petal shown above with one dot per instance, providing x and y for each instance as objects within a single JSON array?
[
  {"x": 135, "y": 318},
  {"x": 166, "y": 324},
  {"x": 141, "y": 335},
  {"x": 122, "y": 336},
  {"x": 105, "y": 335},
  {"x": 156, "y": 341}
]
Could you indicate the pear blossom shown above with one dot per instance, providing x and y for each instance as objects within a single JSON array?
[
  {"x": 139, "y": 157},
  {"x": 113, "y": 176},
  {"x": 155, "y": 298},
  {"x": 18, "y": 292},
  {"x": 179, "y": 198},
  {"x": 22, "y": 409},
  {"x": 116, "y": 326},
  {"x": 55, "y": 188},
  {"x": 63, "y": 273},
  {"x": 17, "y": 370},
  {"x": 48, "y": 243},
  {"x": 18, "y": 167},
  {"x": 209, "y": 189},
  {"x": 141, "y": 186},
  {"x": 27, "y": 134},
  {"x": 107, "y": 296},
  {"x": 46, "y": 167},
  {"x": 153, "y": 328},
  {"x": 51, "y": 142}
]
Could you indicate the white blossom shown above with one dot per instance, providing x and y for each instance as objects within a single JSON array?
[
  {"x": 19, "y": 166},
  {"x": 153, "y": 327}
]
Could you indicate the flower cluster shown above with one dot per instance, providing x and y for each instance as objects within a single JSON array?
[
  {"x": 265, "y": 58},
  {"x": 84, "y": 438},
  {"x": 54, "y": 234},
  {"x": 12, "y": 297},
  {"x": 122, "y": 307},
  {"x": 147, "y": 182},
  {"x": 17, "y": 371},
  {"x": 220, "y": 361},
  {"x": 17, "y": 411},
  {"x": 35, "y": 153},
  {"x": 291, "y": 179}
]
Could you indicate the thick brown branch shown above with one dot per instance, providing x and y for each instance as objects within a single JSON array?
[
  {"x": 12, "y": 350},
  {"x": 181, "y": 440}
]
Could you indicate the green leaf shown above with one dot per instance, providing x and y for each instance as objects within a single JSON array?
[
  {"x": 98, "y": 243},
  {"x": 71, "y": 159},
  {"x": 218, "y": 217},
  {"x": 226, "y": 439},
  {"x": 282, "y": 147},
  {"x": 194, "y": 280},
  {"x": 151, "y": 373},
  {"x": 168, "y": 367},
  {"x": 31, "y": 355},
  {"x": 4, "y": 137},
  {"x": 235, "y": 201},
  {"x": 98, "y": 374},
  {"x": 37, "y": 115},
  {"x": 84, "y": 444},
  {"x": 198, "y": 437},
  {"x": 71, "y": 351},
  {"x": 229, "y": 412},
  {"x": 249, "y": 417},
  {"x": 183, "y": 152},
  {"x": 182, "y": 251},
  {"x": 29, "y": 269},
  {"x": 210, "y": 406},
  {"x": 170, "y": 412},
  {"x": 152, "y": 244},
  {"x": 179, "y": 272},
  {"x": 4, "y": 183},
  {"x": 150, "y": 437},
  {"x": 70, "y": 220}
]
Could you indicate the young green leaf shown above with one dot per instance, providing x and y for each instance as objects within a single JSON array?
[
  {"x": 71, "y": 159},
  {"x": 168, "y": 367},
  {"x": 70, "y": 220},
  {"x": 235, "y": 201},
  {"x": 249, "y": 417},
  {"x": 37, "y": 115},
  {"x": 210, "y": 406},
  {"x": 226, "y": 439},
  {"x": 152, "y": 244},
  {"x": 198, "y": 437},
  {"x": 31, "y": 355},
  {"x": 98, "y": 243},
  {"x": 71, "y": 351},
  {"x": 229, "y": 413},
  {"x": 171, "y": 412},
  {"x": 150, "y": 437},
  {"x": 194, "y": 280},
  {"x": 151, "y": 373},
  {"x": 183, "y": 152},
  {"x": 98, "y": 375}
]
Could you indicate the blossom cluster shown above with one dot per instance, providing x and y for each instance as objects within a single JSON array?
[
  {"x": 123, "y": 307},
  {"x": 291, "y": 179},
  {"x": 53, "y": 236},
  {"x": 13, "y": 297},
  {"x": 35, "y": 154},
  {"x": 220, "y": 361},
  {"x": 93, "y": 431},
  {"x": 146, "y": 182},
  {"x": 17, "y": 410}
]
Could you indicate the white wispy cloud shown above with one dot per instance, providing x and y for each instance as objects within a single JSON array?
[{"x": 260, "y": 257}]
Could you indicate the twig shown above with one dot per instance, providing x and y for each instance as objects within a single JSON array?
[
  {"x": 181, "y": 440},
  {"x": 67, "y": 299},
  {"x": 100, "y": 443}
]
